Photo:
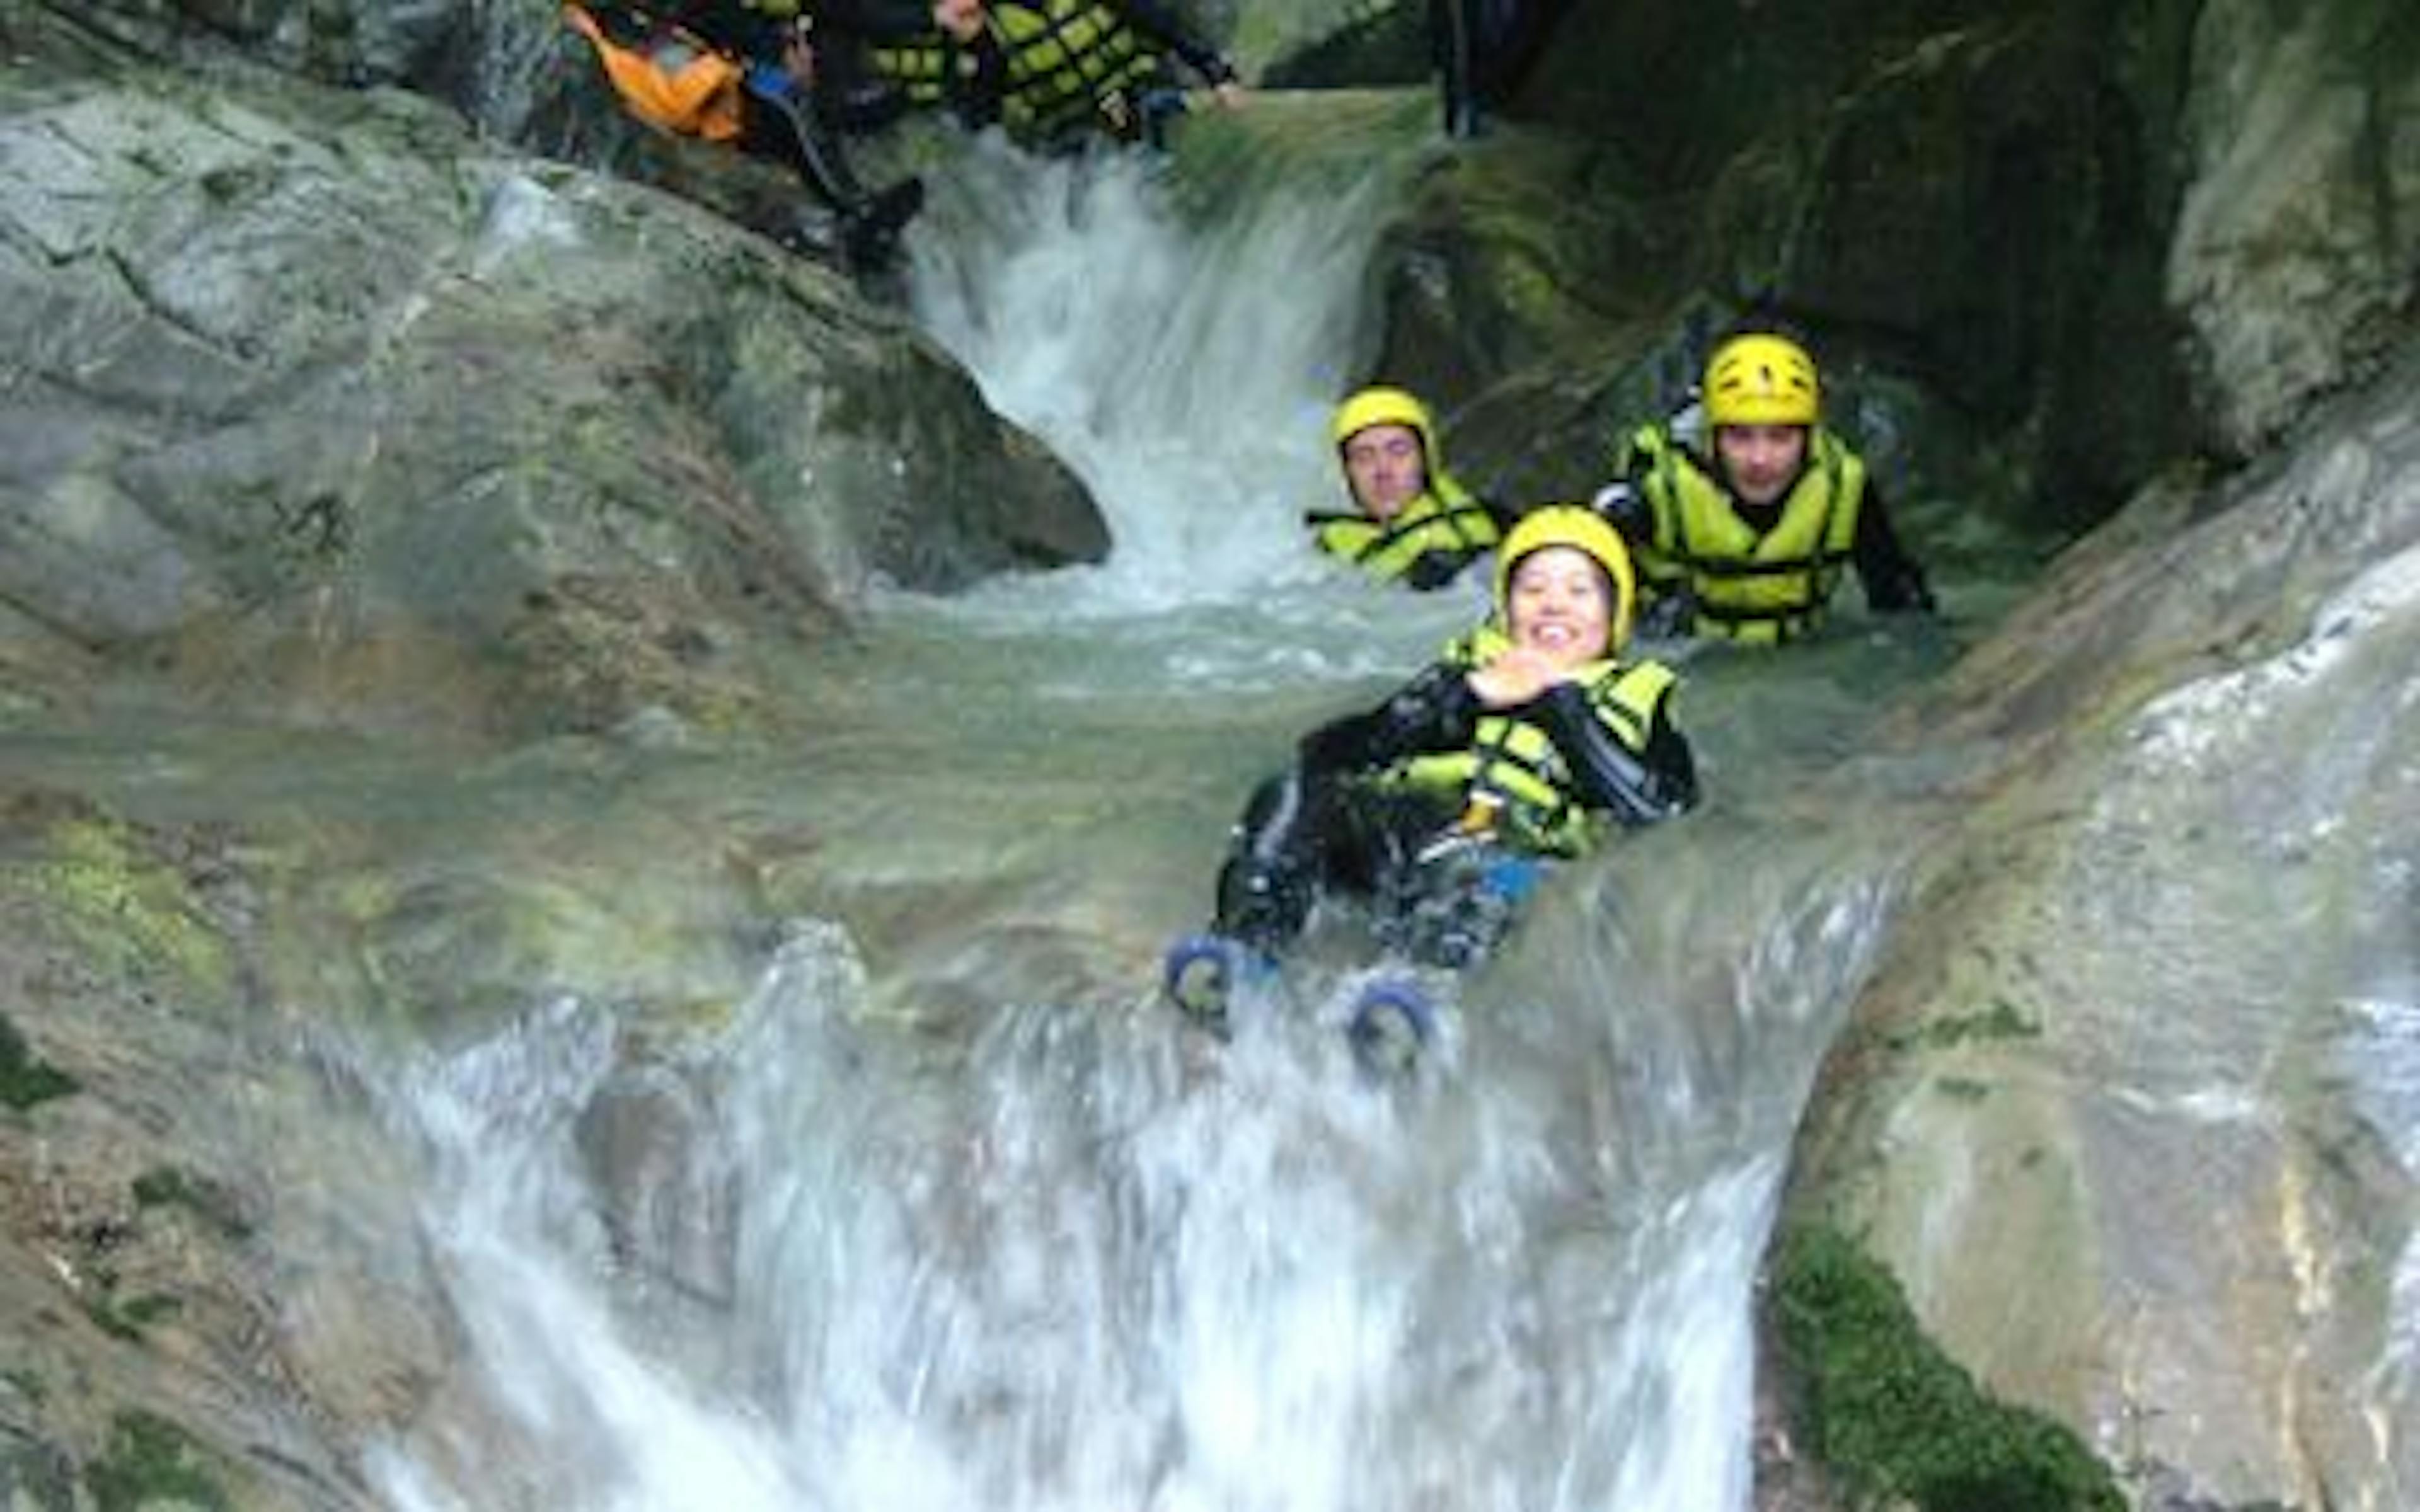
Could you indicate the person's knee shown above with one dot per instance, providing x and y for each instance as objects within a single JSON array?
[{"x": 1262, "y": 901}]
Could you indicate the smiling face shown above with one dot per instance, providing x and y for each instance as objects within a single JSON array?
[
  {"x": 1558, "y": 606},
  {"x": 1761, "y": 462},
  {"x": 1384, "y": 466}
]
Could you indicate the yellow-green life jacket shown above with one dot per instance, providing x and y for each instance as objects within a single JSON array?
[
  {"x": 1444, "y": 519},
  {"x": 1511, "y": 767},
  {"x": 1761, "y": 589},
  {"x": 1072, "y": 64},
  {"x": 921, "y": 67}
]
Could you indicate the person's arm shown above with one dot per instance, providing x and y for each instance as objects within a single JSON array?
[
  {"x": 1434, "y": 711},
  {"x": 1636, "y": 788},
  {"x": 1161, "y": 25},
  {"x": 1892, "y": 580}
]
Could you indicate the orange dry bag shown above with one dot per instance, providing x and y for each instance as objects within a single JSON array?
[{"x": 670, "y": 79}]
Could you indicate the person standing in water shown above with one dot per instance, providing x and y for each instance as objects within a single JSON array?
[{"x": 1411, "y": 521}]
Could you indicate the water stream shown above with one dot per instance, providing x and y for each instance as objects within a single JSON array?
[{"x": 928, "y": 1222}]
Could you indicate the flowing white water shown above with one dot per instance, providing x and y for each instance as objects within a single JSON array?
[
  {"x": 1091, "y": 1264},
  {"x": 1085, "y": 1260},
  {"x": 1185, "y": 373}
]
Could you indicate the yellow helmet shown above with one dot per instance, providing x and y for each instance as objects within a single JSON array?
[
  {"x": 1582, "y": 529},
  {"x": 1384, "y": 406},
  {"x": 1761, "y": 379}
]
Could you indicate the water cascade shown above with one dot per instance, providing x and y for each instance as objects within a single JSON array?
[{"x": 1076, "y": 1257}]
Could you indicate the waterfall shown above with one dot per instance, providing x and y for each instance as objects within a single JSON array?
[
  {"x": 1076, "y": 1257},
  {"x": 1094, "y": 1262},
  {"x": 1184, "y": 364}
]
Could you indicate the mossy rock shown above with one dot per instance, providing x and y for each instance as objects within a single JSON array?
[
  {"x": 168, "y": 1186},
  {"x": 151, "y": 1461},
  {"x": 106, "y": 887},
  {"x": 25, "y": 1078},
  {"x": 1896, "y": 1418}
]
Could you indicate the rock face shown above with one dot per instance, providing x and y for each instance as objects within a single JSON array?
[
  {"x": 2122, "y": 1107},
  {"x": 238, "y": 451},
  {"x": 162, "y": 1348},
  {"x": 2128, "y": 1106},
  {"x": 2296, "y": 248}
]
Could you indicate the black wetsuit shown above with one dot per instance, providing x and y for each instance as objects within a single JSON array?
[
  {"x": 1481, "y": 49},
  {"x": 1322, "y": 826}
]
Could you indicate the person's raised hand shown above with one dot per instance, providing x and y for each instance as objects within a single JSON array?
[{"x": 1517, "y": 676}]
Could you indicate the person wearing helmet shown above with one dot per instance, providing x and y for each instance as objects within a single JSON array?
[
  {"x": 1410, "y": 522},
  {"x": 1745, "y": 515},
  {"x": 1528, "y": 740}
]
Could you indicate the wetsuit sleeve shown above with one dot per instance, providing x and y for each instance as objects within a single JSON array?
[
  {"x": 1434, "y": 711},
  {"x": 1157, "y": 23},
  {"x": 1892, "y": 580},
  {"x": 1636, "y": 788}
]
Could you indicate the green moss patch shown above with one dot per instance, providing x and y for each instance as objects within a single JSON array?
[
  {"x": 127, "y": 907},
  {"x": 126, "y": 1318},
  {"x": 25, "y": 1078},
  {"x": 165, "y": 1186},
  {"x": 2002, "y": 1021},
  {"x": 1894, "y": 1416},
  {"x": 151, "y": 1460}
]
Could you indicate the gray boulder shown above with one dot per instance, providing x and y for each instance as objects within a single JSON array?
[{"x": 318, "y": 398}]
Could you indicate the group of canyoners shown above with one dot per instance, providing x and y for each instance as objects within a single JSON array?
[
  {"x": 788, "y": 80},
  {"x": 1534, "y": 734}
]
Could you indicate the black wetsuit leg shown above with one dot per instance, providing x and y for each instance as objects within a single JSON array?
[
  {"x": 781, "y": 124},
  {"x": 1453, "y": 51},
  {"x": 1301, "y": 836},
  {"x": 1274, "y": 863}
]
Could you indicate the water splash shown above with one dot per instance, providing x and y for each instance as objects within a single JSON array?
[
  {"x": 1087, "y": 1261},
  {"x": 1185, "y": 371},
  {"x": 1080, "y": 1259}
]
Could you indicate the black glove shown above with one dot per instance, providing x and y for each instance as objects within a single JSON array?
[{"x": 1622, "y": 507}]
